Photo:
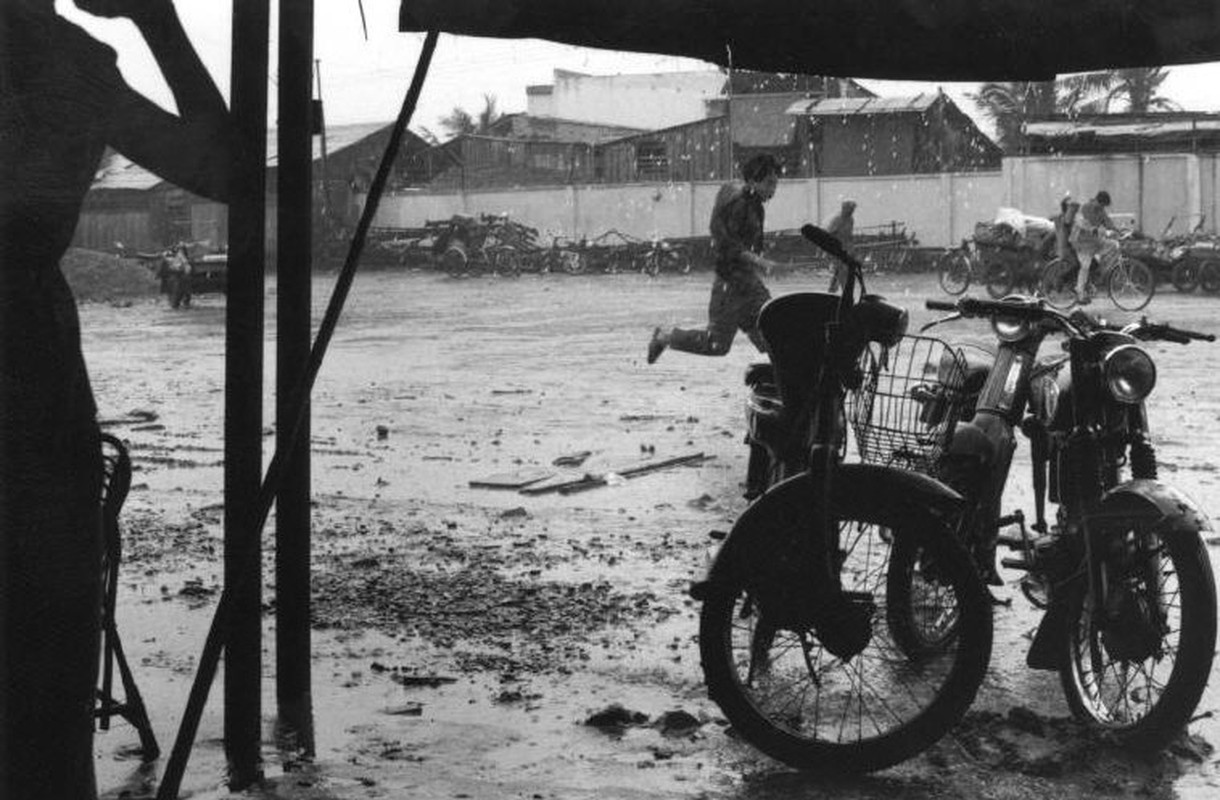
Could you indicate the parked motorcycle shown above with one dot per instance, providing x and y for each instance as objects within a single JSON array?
[
  {"x": 796, "y": 630},
  {"x": 1120, "y": 568}
]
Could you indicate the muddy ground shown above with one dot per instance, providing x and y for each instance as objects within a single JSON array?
[{"x": 466, "y": 637}]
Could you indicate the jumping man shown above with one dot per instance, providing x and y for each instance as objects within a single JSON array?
[{"x": 738, "y": 292}]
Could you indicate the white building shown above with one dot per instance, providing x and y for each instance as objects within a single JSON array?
[{"x": 649, "y": 101}]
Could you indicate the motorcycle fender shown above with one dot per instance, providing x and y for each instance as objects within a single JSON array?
[
  {"x": 899, "y": 494},
  {"x": 1148, "y": 502}
]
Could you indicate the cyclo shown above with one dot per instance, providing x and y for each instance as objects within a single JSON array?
[{"x": 802, "y": 645}]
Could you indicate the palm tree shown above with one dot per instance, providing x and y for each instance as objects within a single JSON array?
[
  {"x": 1139, "y": 86},
  {"x": 460, "y": 121},
  {"x": 1010, "y": 105}
]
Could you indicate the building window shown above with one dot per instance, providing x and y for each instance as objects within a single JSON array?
[{"x": 651, "y": 160}]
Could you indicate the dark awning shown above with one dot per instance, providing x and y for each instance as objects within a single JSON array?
[{"x": 966, "y": 40}]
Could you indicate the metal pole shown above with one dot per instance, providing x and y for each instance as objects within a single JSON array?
[
  {"x": 294, "y": 240},
  {"x": 222, "y": 620},
  {"x": 243, "y": 422},
  {"x": 322, "y": 131}
]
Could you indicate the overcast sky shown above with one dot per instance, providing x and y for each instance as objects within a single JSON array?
[{"x": 364, "y": 80}]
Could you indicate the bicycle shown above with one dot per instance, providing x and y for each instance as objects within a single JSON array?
[
  {"x": 956, "y": 271},
  {"x": 1128, "y": 281}
]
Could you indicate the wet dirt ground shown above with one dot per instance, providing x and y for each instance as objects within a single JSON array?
[{"x": 466, "y": 637}]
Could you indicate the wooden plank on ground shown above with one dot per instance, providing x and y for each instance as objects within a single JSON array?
[
  {"x": 592, "y": 481},
  {"x": 512, "y": 480}
]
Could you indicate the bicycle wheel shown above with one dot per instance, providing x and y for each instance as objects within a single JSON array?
[
  {"x": 768, "y": 667},
  {"x": 998, "y": 279},
  {"x": 1185, "y": 275},
  {"x": 1131, "y": 284},
  {"x": 955, "y": 273},
  {"x": 455, "y": 261},
  {"x": 1138, "y": 668},
  {"x": 507, "y": 262},
  {"x": 1059, "y": 282},
  {"x": 1209, "y": 276}
]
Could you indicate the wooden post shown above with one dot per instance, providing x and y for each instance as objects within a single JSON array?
[
  {"x": 244, "y": 390},
  {"x": 294, "y": 232}
]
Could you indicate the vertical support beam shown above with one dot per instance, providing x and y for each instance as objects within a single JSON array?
[
  {"x": 244, "y": 389},
  {"x": 294, "y": 232}
]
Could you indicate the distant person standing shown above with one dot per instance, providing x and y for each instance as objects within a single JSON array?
[
  {"x": 841, "y": 226},
  {"x": 738, "y": 292},
  {"x": 1090, "y": 242},
  {"x": 178, "y": 276}
]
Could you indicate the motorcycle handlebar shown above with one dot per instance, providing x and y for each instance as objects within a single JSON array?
[
  {"x": 1168, "y": 333},
  {"x": 1037, "y": 310},
  {"x": 975, "y": 307}
]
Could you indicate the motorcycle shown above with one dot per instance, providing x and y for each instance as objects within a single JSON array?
[
  {"x": 1120, "y": 569},
  {"x": 797, "y": 633}
]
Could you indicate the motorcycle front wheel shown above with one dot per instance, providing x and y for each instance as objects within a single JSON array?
[
  {"x": 775, "y": 678},
  {"x": 1138, "y": 668},
  {"x": 922, "y": 609}
]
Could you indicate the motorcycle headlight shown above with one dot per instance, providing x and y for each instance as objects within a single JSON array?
[
  {"x": 1129, "y": 373},
  {"x": 1010, "y": 329}
]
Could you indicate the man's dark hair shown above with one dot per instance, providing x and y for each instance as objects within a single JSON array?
[
  {"x": 760, "y": 167},
  {"x": 1103, "y": 197}
]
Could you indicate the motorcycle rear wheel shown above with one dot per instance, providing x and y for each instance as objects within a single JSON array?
[
  {"x": 1117, "y": 677},
  {"x": 783, "y": 690}
]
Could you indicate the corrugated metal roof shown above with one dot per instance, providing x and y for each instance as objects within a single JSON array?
[
  {"x": 119, "y": 172},
  {"x": 843, "y": 106},
  {"x": 338, "y": 137},
  {"x": 1144, "y": 128}
]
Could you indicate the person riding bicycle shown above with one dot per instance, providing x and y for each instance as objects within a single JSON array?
[{"x": 1089, "y": 240}]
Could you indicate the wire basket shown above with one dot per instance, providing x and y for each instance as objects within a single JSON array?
[{"x": 909, "y": 399}]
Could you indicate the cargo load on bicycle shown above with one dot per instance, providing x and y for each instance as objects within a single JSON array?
[{"x": 1010, "y": 250}]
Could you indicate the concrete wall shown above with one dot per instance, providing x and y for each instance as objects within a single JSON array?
[
  {"x": 1157, "y": 189},
  {"x": 939, "y": 210}
]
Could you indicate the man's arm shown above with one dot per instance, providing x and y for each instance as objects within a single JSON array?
[
  {"x": 192, "y": 149},
  {"x": 728, "y": 231}
]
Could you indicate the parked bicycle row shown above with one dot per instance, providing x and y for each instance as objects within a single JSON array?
[{"x": 495, "y": 244}]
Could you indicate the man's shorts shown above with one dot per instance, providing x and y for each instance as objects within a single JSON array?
[{"x": 735, "y": 304}]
